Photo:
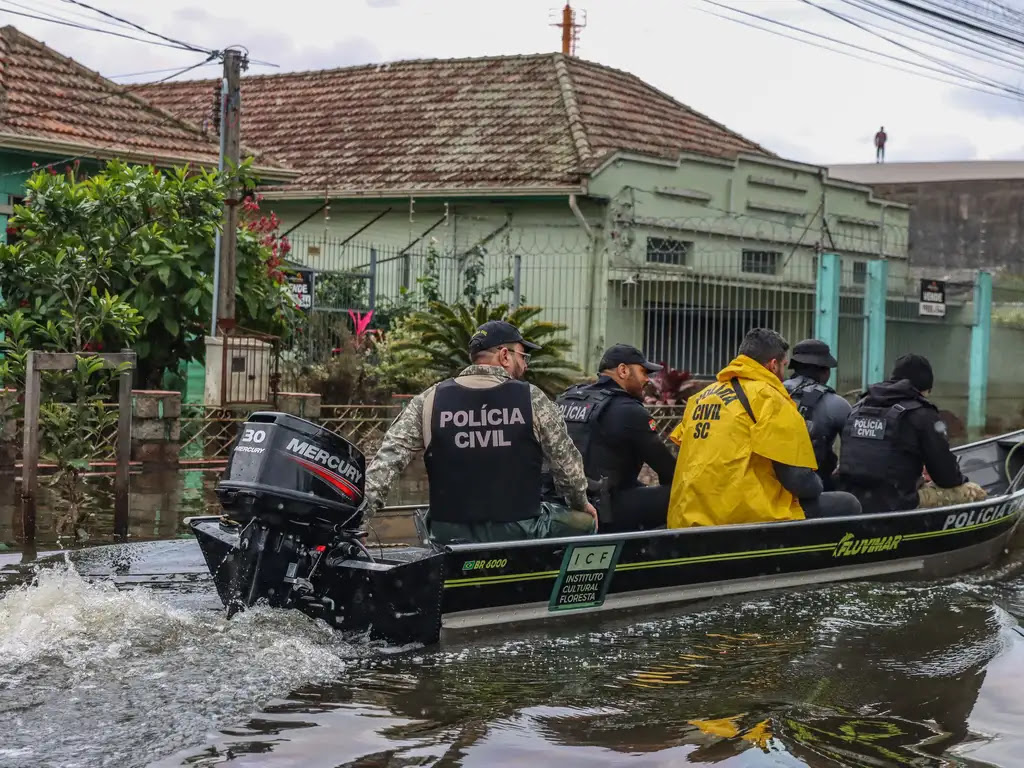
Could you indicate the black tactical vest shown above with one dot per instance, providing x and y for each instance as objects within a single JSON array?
[
  {"x": 877, "y": 445},
  {"x": 484, "y": 461},
  {"x": 807, "y": 396},
  {"x": 582, "y": 407}
]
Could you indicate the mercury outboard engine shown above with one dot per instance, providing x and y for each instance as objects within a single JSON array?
[{"x": 296, "y": 490}]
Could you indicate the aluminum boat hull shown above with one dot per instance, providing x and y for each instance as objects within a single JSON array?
[{"x": 416, "y": 594}]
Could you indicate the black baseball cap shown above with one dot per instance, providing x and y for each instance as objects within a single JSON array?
[
  {"x": 628, "y": 354},
  {"x": 495, "y": 333},
  {"x": 813, "y": 352},
  {"x": 916, "y": 369}
]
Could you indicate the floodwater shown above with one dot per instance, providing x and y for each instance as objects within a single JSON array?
[{"x": 120, "y": 655}]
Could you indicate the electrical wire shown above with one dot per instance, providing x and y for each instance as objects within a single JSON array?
[
  {"x": 978, "y": 50},
  {"x": 139, "y": 27},
  {"x": 976, "y": 77},
  {"x": 38, "y": 9},
  {"x": 153, "y": 72},
  {"x": 958, "y": 21},
  {"x": 877, "y": 63},
  {"x": 87, "y": 28},
  {"x": 957, "y": 81},
  {"x": 38, "y": 6}
]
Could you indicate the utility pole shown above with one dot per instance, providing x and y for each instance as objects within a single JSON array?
[{"x": 225, "y": 269}]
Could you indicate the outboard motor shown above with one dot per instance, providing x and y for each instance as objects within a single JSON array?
[{"x": 296, "y": 491}]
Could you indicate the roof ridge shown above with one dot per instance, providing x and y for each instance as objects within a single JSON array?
[
  {"x": 577, "y": 128},
  {"x": 640, "y": 81},
  {"x": 381, "y": 65}
]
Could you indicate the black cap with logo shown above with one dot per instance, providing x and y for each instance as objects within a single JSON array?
[
  {"x": 628, "y": 354},
  {"x": 813, "y": 352},
  {"x": 495, "y": 333}
]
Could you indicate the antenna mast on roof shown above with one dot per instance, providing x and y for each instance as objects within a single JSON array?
[{"x": 570, "y": 29}]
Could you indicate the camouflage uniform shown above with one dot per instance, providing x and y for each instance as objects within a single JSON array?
[
  {"x": 410, "y": 434},
  {"x": 930, "y": 495}
]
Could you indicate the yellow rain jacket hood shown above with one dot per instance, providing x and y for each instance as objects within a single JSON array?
[{"x": 724, "y": 472}]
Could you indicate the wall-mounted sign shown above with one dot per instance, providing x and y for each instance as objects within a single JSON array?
[
  {"x": 301, "y": 284},
  {"x": 932, "y": 299}
]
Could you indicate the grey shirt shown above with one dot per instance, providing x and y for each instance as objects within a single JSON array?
[{"x": 829, "y": 415}]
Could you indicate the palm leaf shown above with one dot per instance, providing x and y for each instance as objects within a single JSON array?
[{"x": 444, "y": 331}]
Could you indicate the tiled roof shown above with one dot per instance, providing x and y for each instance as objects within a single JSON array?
[
  {"x": 517, "y": 122},
  {"x": 49, "y": 102}
]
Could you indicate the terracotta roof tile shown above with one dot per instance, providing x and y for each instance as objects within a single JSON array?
[
  {"x": 621, "y": 111},
  {"x": 47, "y": 98},
  {"x": 538, "y": 122}
]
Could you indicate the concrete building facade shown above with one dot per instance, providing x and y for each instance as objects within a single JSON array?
[{"x": 963, "y": 215}]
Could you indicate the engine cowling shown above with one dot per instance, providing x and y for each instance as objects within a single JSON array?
[{"x": 293, "y": 475}]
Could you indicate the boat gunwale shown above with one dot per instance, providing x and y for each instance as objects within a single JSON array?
[
  {"x": 694, "y": 530},
  {"x": 739, "y": 527}
]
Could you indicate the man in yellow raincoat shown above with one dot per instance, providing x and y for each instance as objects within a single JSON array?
[{"x": 745, "y": 455}]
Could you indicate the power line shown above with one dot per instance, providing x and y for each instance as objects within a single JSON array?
[
  {"x": 958, "y": 21},
  {"x": 87, "y": 28},
  {"x": 138, "y": 26},
  {"x": 206, "y": 63},
  {"x": 856, "y": 56},
  {"x": 967, "y": 82},
  {"x": 965, "y": 72},
  {"x": 38, "y": 7},
  {"x": 985, "y": 52}
]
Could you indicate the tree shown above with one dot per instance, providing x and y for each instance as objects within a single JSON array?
[
  {"x": 146, "y": 237},
  {"x": 444, "y": 331}
]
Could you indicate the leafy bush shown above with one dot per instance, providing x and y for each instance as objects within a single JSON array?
[
  {"x": 442, "y": 333},
  {"x": 669, "y": 386},
  {"x": 134, "y": 238},
  {"x": 397, "y": 366}
]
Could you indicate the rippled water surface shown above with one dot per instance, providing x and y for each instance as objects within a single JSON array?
[{"x": 120, "y": 656}]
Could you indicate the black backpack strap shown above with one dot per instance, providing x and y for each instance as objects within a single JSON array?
[
  {"x": 809, "y": 399},
  {"x": 738, "y": 389}
]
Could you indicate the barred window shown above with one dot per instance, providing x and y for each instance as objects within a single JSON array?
[
  {"x": 761, "y": 262},
  {"x": 661, "y": 250},
  {"x": 860, "y": 272}
]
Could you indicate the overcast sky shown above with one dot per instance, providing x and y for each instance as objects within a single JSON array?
[{"x": 803, "y": 102}]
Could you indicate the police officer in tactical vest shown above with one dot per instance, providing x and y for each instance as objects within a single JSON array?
[
  {"x": 485, "y": 434},
  {"x": 824, "y": 411},
  {"x": 616, "y": 437},
  {"x": 891, "y": 434}
]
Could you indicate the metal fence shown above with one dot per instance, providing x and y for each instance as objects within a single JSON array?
[
  {"x": 683, "y": 289},
  {"x": 207, "y": 433}
]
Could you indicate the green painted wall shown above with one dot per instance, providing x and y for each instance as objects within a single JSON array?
[
  {"x": 602, "y": 287},
  {"x": 554, "y": 249}
]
